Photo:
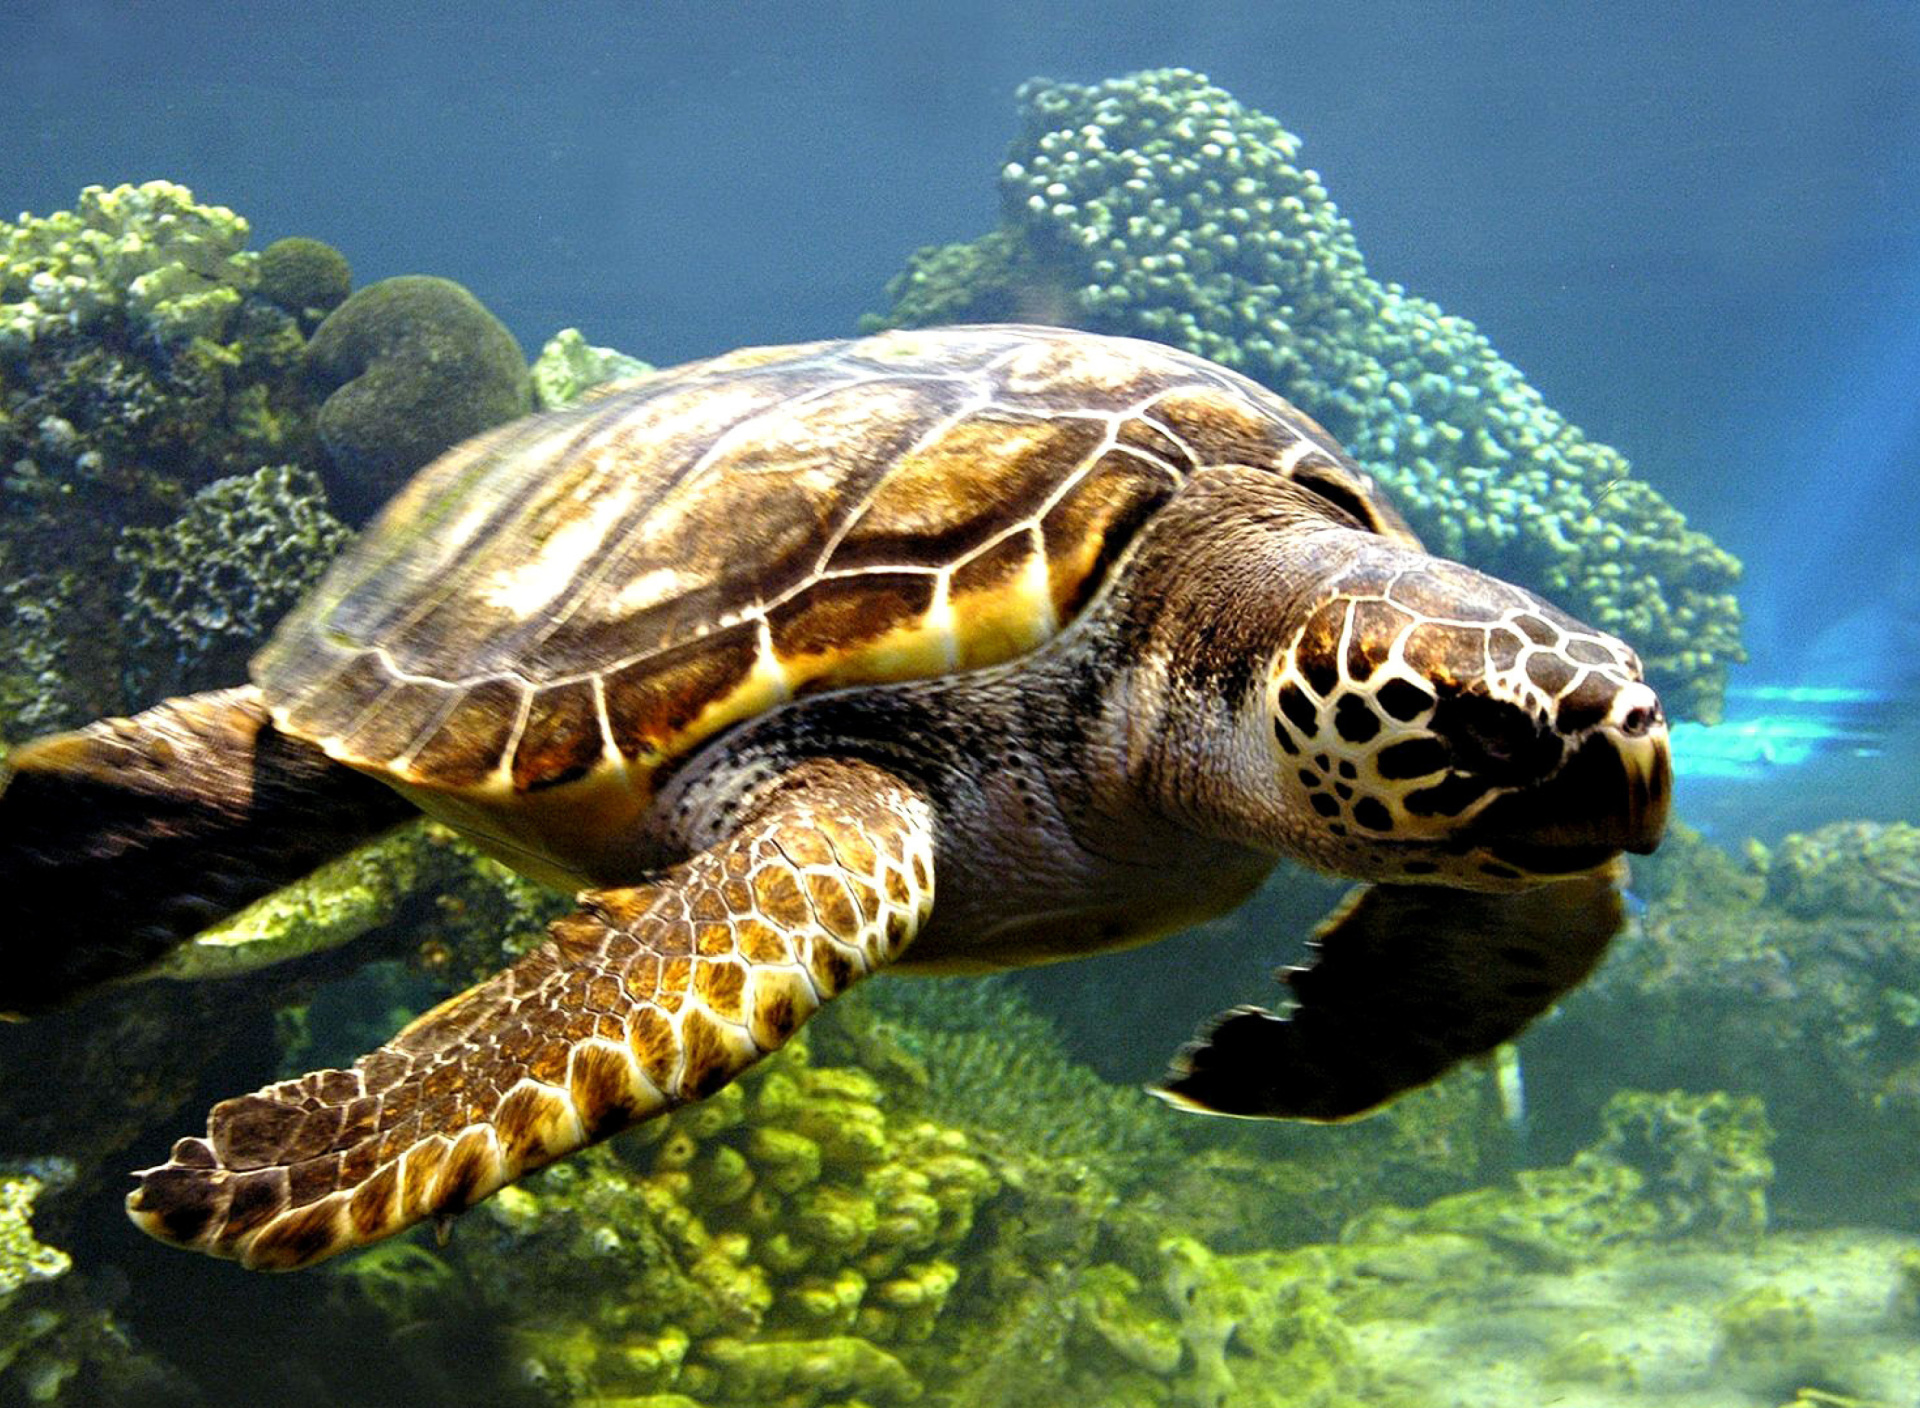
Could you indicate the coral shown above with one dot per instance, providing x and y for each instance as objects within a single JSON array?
[
  {"x": 994, "y": 279},
  {"x": 1665, "y": 1166},
  {"x": 137, "y": 365},
  {"x": 568, "y": 367},
  {"x": 204, "y": 590},
  {"x": 1156, "y": 205},
  {"x": 976, "y": 1052},
  {"x": 1785, "y": 974},
  {"x": 789, "y": 1240},
  {"x": 1704, "y": 1157},
  {"x": 1853, "y": 870},
  {"x": 23, "y": 1260},
  {"x": 308, "y": 278},
  {"x": 409, "y": 366},
  {"x": 147, "y": 254},
  {"x": 54, "y": 1346},
  {"x": 34, "y": 1361}
]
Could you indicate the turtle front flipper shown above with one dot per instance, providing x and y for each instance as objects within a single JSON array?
[
  {"x": 1407, "y": 981},
  {"x": 120, "y": 840},
  {"x": 644, "y": 999}
]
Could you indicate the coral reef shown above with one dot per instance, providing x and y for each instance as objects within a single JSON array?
[
  {"x": 1788, "y": 974},
  {"x": 786, "y": 1241},
  {"x": 568, "y": 367},
  {"x": 146, "y": 255},
  {"x": 409, "y": 366},
  {"x": 1157, "y": 205},
  {"x": 1665, "y": 1166},
  {"x": 54, "y": 1347},
  {"x": 137, "y": 365},
  {"x": 809, "y": 1239},
  {"x": 1849, "y": 870},
  {"x": 977, "y": 1052},
  {"x": 205, "y": 589}
]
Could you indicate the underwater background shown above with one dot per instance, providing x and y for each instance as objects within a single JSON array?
[{"x": 1622, "y": 301}]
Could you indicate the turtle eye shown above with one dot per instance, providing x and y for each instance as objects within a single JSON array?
[{"x": 1342, "y": 496}]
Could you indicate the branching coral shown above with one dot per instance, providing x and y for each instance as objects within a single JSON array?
[
  {"x": 983, "y": 1056},
  {"x": 1157, "y": 205}
]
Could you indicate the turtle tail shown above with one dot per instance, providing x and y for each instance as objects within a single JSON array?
[{"x": 123, "y": 839}]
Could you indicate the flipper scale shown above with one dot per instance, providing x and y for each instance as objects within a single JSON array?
[{"x": 632, "y": 1006}]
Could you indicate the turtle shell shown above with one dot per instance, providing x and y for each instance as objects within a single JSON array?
[{"x": 581, "y": 596}]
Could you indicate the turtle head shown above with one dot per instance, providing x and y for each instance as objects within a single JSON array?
[{"x": 1431, "y": 722}]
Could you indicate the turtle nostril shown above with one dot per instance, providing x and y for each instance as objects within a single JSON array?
[{"x": 1636, "y": 710}]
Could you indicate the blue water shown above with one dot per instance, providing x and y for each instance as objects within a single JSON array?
[
  {"x": 1695, "y": 228},
  {"x": 1697, "y": 235}
]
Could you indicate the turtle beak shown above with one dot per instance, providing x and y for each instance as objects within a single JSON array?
[
  {"x": 1637, "y": 730},
  {"x": 1611, "y": 795}
]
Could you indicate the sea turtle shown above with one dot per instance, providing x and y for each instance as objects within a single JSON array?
[{"x": 948, "y": 650}]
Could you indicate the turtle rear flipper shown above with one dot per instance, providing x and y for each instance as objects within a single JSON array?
[
  {"x": 1407, "y": 982},
  {"x": 124, "y": 838},
  {"x": 647, "y": 998}
]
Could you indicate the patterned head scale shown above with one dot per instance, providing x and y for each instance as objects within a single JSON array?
[{"x": 1445, "y": 724}]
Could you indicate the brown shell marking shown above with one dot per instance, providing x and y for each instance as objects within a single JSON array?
[{"x": 720, "y": 537}]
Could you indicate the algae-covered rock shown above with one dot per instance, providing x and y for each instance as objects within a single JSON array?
[
  {"x": 568, "y": 367},
  {"x": 1156, "y": 205},
  {"x": 409, "y": 366},
  {"x": 1851, "y": 870},
  {"x": 308, "y": 278},
  {"x": 23, "y": 1260},
  {"x": 1664, "y": 1166},
  {"x": 1705, "y": 1157}
]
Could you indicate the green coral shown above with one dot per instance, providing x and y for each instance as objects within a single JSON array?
[
  {"x": 308, "y": 278},
  {"x": 409, "y": 366},
  {"x": 1158, "y": 206},
  {"x": 568, "y": 367},
  {"x": 1705, "y": 1157},
  {"x": 137, "y": 365},
  {"x": 54, "y": 1347},
  {"x": 1785, "y": 973},
  {"x": 1665, "y": 1166},
  {"x": 23, "y": 1260},
  {"x": 204, "y": 591},
  {"x": 975, "y": 1051},
  {"x": 34, "y": 1361},
  {"x": 147, "y": 254},
  {"x": 1854, "y": 870},
  {"x": 789, "y": 1240}
]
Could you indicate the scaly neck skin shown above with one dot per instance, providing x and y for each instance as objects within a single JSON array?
[{"x": 1114, "y": 786}]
